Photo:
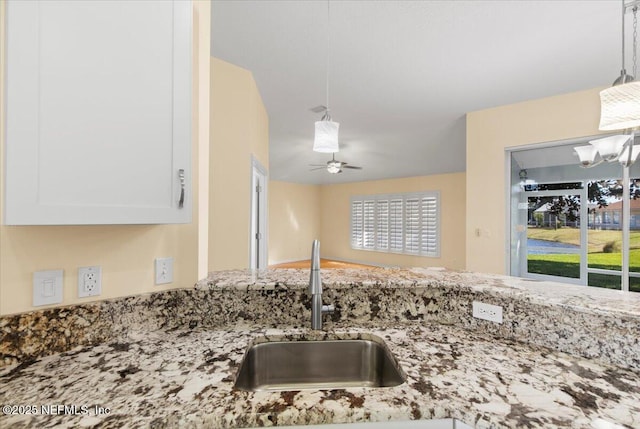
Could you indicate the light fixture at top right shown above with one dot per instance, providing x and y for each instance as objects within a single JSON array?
[
  {"x": 619, "y": 111},
  {"x": 620, "y": 104}
]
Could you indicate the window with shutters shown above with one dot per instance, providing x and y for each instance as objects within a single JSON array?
[
  {"x": 368, "y": 220},
  {"x": 397, "y": 223},
  {"x": 356, "y": 224},
  {"x": 382, "y": 225}
]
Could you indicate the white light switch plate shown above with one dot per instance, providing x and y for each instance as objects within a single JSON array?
[
  {"x": 164, "y": 270},
  {"x": 47, "y": 287}
]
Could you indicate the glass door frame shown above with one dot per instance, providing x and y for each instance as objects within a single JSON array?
[{"x": 513, "y": 238}]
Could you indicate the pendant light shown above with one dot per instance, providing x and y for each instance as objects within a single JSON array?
[
  {"x": 326, "y": 132},
  {"x": 619, "y": 111},
  {"x": 620, "y": 104}
]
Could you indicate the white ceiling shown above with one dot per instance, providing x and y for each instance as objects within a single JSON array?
[{"x": 404, "y": 73}]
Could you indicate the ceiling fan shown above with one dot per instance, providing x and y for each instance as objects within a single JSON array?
[{"x": 333, "y": 166}]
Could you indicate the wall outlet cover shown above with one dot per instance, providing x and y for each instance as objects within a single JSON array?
[
  {"x": 492, "y": 313},
  {"x": 164, "y": 270},
  {"x": 47, "y": 287},
  {"x": 89, "y": 281}
]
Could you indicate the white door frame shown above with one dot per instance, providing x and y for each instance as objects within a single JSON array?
[{"x": 258, "y": 237}]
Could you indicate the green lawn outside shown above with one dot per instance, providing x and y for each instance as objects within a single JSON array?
[{"x": 568, "y": 265}]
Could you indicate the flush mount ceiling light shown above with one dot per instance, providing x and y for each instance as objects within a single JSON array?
[{"x": 326, "y": 132}]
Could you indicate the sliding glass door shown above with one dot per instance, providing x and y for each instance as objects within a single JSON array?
[
  {"x": 572, "y": 224},
  {"x": 554, "y": 243}
]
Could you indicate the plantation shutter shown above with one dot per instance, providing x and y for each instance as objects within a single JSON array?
[
  {"x": 412, "y": 226},
  {"x": 369, "y": 225},
  {"x": 429, "y": 226},
  {"x": 395, "y": 225},
  {"x": 401, "y": 223},
  {"x": 382, "y": 230},
  {"x": 356, "y": 223}
]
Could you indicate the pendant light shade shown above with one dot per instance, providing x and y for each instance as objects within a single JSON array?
[
  {"x": 620, "y": 104},
  {"x": 587, "y": 154},
  {"x": 610, "y": 147},
  {"x": 620, "y": 107},
  {"x": 326, "y": 137}
]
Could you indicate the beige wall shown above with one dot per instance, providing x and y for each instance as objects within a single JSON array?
[
  {"x": 125, "y": 253},
  {"x": 336, "y": 214},
  {"x": 239, "y": 129},
  {"x": 489, "y": 132},
  {"x": 294, "y": 220}
]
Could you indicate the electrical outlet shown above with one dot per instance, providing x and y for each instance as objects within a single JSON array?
[
  {"x": 164, "y": 270},
  {"x": 89, "y": 281},
  {"x": 492, "y": 313}
]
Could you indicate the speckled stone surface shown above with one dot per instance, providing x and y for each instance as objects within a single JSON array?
[
  {"x": 184, "y": 377},
  {"x": 586, "y": 321},
  {"x": 29, "y": 335},
  {"x": 550, "y": 293},
  {"x": 169, "y": 359},
  {"x": 589, "y": 322}
]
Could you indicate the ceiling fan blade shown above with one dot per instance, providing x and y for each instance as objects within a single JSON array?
[
  {"x": 353, "y": 167},
  {"x": 318, "y": 168},
  {"x": 317, "y": 165},
  {"x": 318, "y": 109}
]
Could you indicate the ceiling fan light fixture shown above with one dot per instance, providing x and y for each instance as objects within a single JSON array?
[
  {"x": 334, "y": 167},
  {"x": 326, "y": 137}
]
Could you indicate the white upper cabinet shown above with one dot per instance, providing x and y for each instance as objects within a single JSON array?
[{"x": 98, "y": 112}]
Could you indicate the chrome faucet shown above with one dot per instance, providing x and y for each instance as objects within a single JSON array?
[{"x": 315, "y": 289}]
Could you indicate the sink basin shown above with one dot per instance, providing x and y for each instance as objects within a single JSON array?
[{"x": 325, "y": 364}]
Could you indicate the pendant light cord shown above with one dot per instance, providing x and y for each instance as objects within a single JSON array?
[
  {"x": 635, "y": 42},
  {"x": 328, "y": 57},
  {"x": 623, "y": 13}
]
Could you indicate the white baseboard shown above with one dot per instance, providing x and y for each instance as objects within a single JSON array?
[
  {"x": 349, "y": 261},
  {"x": 355, "y": 261},
  {"x": 287, "y": 261}
]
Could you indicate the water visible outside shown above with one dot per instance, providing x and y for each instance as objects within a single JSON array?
[{"x": 544, "y": 247}]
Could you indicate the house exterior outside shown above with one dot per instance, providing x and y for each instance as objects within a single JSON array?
[{"x": 609, "y": 217}]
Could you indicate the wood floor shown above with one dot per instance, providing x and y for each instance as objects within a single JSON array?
[{"x": 324, "y": 263}]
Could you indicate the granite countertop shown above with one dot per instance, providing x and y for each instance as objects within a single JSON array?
[
  {"x": 184, "y": 377},
  {"x": 542, "y": 292}
]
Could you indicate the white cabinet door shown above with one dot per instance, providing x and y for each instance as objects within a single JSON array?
[{"x": 98, "y": 112}]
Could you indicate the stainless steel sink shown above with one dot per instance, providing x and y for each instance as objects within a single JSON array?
[{"x": 326, "y": 364}]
